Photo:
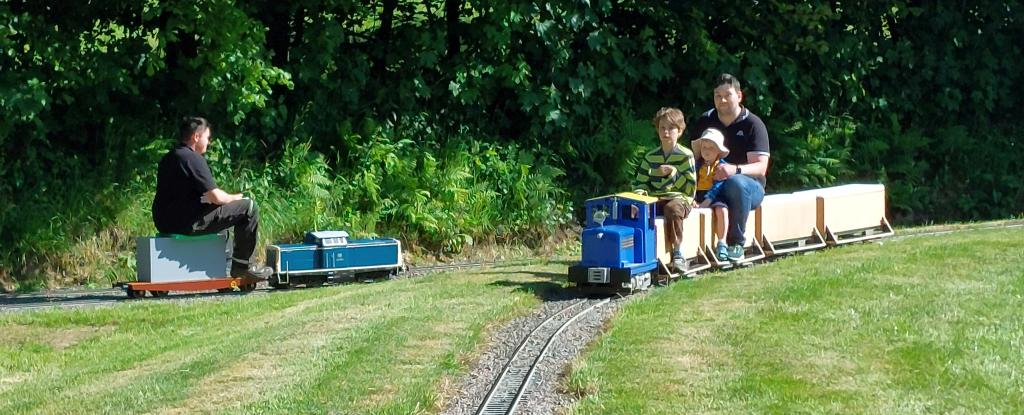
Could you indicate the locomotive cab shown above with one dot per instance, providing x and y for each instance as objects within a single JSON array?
[{"x": 619, "y": 243}]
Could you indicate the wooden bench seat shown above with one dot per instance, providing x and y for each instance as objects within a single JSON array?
[
  {"x": 696, "y": 228},
  {"x": 175, "y": 258},
  {"x": 788, "y": 223},
  {"x": 851, "y": 213},
  {"x": 753, "y": 249}
]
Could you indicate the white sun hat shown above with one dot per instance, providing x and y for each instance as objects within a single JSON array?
[{"x": 713, "y": 135}]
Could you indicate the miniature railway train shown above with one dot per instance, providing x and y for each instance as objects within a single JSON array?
[{"x": 625, "y": 248}]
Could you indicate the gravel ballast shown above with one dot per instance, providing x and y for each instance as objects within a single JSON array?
[{"x": 542, "y": 395}]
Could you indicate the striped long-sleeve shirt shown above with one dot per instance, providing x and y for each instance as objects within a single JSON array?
[{"x": 649, "y": 179}]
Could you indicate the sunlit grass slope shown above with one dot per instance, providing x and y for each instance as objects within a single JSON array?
[
  {"x": 361, "y": 348},
  {"x": 926, "y": 324}
]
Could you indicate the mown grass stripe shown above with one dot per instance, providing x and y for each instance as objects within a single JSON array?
[
  {"x": 179, "y": 341},
  {"x": 175, "y": 361},
  {"x": 171, "y": 358},
  {"x": 343, "y": 379}
]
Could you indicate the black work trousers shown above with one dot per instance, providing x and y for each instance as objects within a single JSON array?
[{"x": 243, "y": 215}]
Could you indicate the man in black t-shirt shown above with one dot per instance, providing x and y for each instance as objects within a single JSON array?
[
  {"x": 747, "y": 163},
  {"x": 188, "y": 201}
]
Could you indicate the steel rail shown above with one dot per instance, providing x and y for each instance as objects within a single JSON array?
[
  {"x": 54, "y": 304},
  {"x": 967, "y": 228},
  {"x": 508, "y": 389},
  {"x": 547, "y": 346},
  {"x": 102, "y": 298}
]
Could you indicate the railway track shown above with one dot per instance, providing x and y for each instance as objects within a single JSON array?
[
  {"x": 513, "y": 383},
  {"x": 107, "y": 296}
]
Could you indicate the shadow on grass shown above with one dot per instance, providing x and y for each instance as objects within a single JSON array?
[
  {"x": 544, "y": 290},
  {"x": 556, "y": 276},
  {"x": 566, "y": 262}
]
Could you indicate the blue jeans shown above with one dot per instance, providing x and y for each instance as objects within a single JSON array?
[{"x": 742, "y": 194}]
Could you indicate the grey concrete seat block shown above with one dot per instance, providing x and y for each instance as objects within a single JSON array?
[{"x": 172, "y": 259}]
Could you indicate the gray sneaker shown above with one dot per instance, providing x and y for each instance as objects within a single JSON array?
[
  {"x": 735, "y": 252},
  {"x": 680, "y": 264},
  {"x": 252, "y": 271}
]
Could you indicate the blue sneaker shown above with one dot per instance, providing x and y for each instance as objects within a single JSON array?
[
  {"x": 722, "y": 251},
  {"x": 736, "y": 252}
]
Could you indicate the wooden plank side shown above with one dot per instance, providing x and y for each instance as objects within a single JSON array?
[
  {"x": 693, "y": 233},
  {"x": 848, "y": 207},
  {"x": 693, "y": 236},
  {"x": 706, "y": 231},
  {"x": 851, "y": 208},
  {"x": 663, "y": 253},
  {"x": 786, "y": 216}
]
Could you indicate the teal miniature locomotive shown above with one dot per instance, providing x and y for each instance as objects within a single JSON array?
[
  {"x": 330, "y": 255},
  {"x": 619, "y": 245}
]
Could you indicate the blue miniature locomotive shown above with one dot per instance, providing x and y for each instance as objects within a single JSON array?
[
  {"x": 619, "y": 245},
  {"x": 329, "y": 255}
]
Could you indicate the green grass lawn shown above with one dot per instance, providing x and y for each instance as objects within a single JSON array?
[
  {"x": 388, "y": 347},
  {"x": 929, "y": 324}
]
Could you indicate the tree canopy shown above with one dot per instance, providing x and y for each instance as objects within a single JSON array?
[{"x": 913, "y": 94}]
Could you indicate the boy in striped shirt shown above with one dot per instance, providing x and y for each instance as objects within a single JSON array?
[{"x": 667, "y": 172}]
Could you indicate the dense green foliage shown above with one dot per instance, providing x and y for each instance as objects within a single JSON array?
[{"x": 448, "y": 121}]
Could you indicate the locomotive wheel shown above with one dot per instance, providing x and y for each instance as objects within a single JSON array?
[{"x": 159, "y": 294}]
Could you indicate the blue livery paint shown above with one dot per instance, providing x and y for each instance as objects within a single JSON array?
[
  {"x": 330, "y": 253},
  {"x": 623, "y": 242}
]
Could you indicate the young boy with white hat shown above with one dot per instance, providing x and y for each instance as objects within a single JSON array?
[{"x": 711, "y": 152}]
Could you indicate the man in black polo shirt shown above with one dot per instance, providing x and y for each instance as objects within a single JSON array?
[
  {"x": 188, "y": 201},
  {"x": 747, "y": 163}
]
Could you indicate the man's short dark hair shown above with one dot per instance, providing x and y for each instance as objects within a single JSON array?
[
  {"x": 728, "y": 79},
  {"x": 191, "y": 125}
]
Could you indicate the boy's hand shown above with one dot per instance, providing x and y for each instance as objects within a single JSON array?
[{"x": 667, "y": 170}]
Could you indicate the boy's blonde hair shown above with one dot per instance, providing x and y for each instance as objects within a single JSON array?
[{"x": 672, "y": 115}]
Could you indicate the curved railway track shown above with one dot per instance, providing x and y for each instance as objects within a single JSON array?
[{"x": 514, "y": 381}]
